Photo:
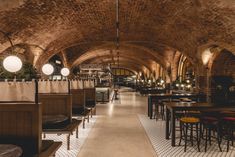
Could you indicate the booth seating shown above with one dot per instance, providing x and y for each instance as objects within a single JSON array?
[
  {"x": 9, "y": 150},
  {"x": 78, "y": 105},
  {"x": 21, "y": 130},
  {"x": 90, "y": 100},
  {"x": 58, "y": 106}
]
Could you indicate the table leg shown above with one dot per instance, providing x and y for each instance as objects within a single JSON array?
[
  {"x": 149, "y": 99},
  {"x": 167, "y": 129},
  {"x": 77, "y": 132},
  {"x": 173, "y": 128},
  {"x": 68, "y": 142},
  {"x": 150, "y": 108}
]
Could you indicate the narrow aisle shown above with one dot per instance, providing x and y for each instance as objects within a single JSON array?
[{"x": 118, "y": 131}]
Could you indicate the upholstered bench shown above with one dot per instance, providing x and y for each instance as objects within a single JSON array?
[
  {"x": 54, "y": 121},
  {"x": 68, "y": 130}
]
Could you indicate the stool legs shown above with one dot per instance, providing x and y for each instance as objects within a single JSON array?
[
  {"x": 198, "y": 137},
  {"x": 184, "y": 128},
  {"x": 208, "y": 130}
]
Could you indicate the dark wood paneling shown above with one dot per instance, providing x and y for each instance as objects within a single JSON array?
[
  {"x": 56, "y": 104},
  {"x": 20, "y": 124},
  {"x": 78, "y": 97},
  {"x": 90, "y": 94}
]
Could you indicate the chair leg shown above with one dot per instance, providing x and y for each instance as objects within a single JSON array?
[
  {"x": 206, "y": 139},
  {"x": 68, "y": 142},
  {"x": 91, "y": 112},
  {"x": 198, "y": 137},
  {"x": 185, "y": 136},
  {"x": 83, "y": 122},
  {"x": 210, "y": 136},
  {"x": 191, "y": 134},
  {"x": 218, "y": 139},
  {"x": 181, "y": 133},
  {"x": 88, "y": 117},
  {"x": 77, "y": 132}
]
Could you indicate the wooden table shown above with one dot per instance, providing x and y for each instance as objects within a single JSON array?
[
  {"x": 169, "y": 96},
  {"x": 173, "y": 107}
]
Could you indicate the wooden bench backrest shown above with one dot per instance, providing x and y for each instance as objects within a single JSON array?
[
  {"x": 90, "y": 94},
  {"x": 56, "y": 104},
  {"x": 78, "y": 97},
  {"x": 21, "y": 124}
]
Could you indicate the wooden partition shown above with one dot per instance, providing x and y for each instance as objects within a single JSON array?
[
  {"x": 20, "y": 124},
  {"x": 90, "y": 94},
  {"x": 56, "y": 104},
  {"x": 78, "y": 98}
]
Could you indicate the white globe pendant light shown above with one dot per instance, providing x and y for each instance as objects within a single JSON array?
[
  {"x": 12, "y": 63},
  {"x": 65, "y": 72},
  {"x": 47, "y": 69}
]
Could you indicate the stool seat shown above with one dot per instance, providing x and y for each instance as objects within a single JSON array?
[
  {"x": 232, "y": 119},
  {"x": 209, "y": 120},
  {"x": 189, "y": 123},
  {"x": 189, "y": 120}
]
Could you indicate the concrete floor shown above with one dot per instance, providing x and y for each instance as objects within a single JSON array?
[{"x": 118, "y": 131}]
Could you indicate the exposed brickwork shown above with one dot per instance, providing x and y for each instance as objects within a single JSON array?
[{"x": 150, "y": 30}]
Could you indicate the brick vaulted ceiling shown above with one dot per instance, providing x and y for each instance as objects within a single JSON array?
[{"x": 84, "y": 31}]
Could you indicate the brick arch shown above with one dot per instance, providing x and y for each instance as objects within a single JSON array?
[
  {"x": 87, "y": 47},
  {"x": 115, "y": 60},
  {"x": 223, "y": 64},
  {"x": 183, "y": 25}
]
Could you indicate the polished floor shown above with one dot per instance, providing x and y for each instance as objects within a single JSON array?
[{"x": 118, "y": 131}]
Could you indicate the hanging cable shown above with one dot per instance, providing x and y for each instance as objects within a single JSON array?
[{"x": 117, "y": 30}]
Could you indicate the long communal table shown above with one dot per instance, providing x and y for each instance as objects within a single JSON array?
[
  {"x": 156, "y": 97},
  {"x": 173, "y": 107}
]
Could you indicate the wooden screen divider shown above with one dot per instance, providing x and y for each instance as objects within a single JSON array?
[
  {"x": 21, "y": 124},
  {"x": 56, "y": 104},
  {"x": 78, "y": 97},
  {"x": 90, "y": 94}
]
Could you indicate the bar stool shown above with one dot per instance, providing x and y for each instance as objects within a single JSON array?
[
  {"x": 229, "y": 128},
  {"x": 159, "y": 110},
  {"x": 191, "y": 123},
  {"x": 209, "y": 124}
]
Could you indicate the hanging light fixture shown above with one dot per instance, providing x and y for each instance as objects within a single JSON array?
[
  {"x": 65, "y": 72},
  {"x": 47, "y": 69},
  {"x": 11, "y": 63}
]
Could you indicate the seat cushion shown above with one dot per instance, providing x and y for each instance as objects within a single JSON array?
[
  {"x": 209, "y": 120},
  {"x": 9, "y": 150},
  {"x": 54, "y": 121},
  {"x": 232, "y": 119},
  {"x": 189, "y": 120}
]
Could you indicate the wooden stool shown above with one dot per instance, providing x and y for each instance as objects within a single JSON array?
[
  {"x": 189, "y": 123},
  {"x": 209, "y": 124},
  {"x": 229, "y": 127}
]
